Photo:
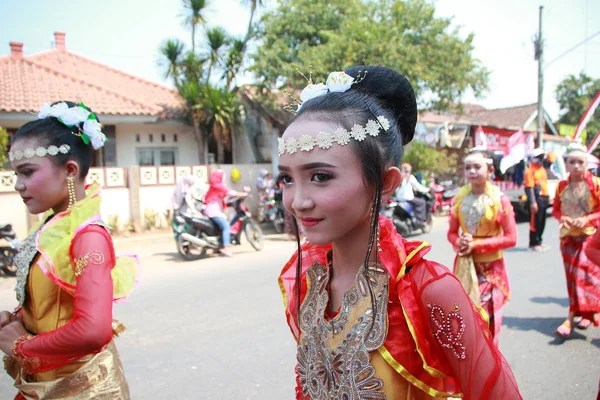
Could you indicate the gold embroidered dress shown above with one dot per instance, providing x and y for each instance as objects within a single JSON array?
[
  {"x": 419, "y": 337},
  {"x": 67, "y": 279},
  {"x": 490, "y": 219}
]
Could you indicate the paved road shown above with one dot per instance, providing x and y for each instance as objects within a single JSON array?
[{"x": 214, "y": 329}]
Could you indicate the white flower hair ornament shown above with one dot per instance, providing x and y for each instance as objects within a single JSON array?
[
  {"x": 79, "y": 117},
  {"x": 337, "y": 82}
]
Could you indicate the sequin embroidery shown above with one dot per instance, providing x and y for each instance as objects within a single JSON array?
[
  {"x": 333, "y": 356},
  {"x": 473, "y": 208},
  {"x": 449, "y": 329},
  {"x": 23, "y": 259},
  {"x": 93, "y": 257}
]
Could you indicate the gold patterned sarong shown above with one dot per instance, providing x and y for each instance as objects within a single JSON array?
[
  {"x": 100, "y": 378},
  {"x": 466, "y": 274}
]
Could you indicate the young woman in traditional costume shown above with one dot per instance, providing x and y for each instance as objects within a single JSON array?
[
  {"x": 372, "y": 317},
  {"x": 59, "y": 340},
  {"x": 577, "y": 207},
  {"x": 482, "y": 224}
]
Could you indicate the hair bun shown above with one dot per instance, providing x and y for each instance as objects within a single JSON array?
[{"x": 393, "y": 91}]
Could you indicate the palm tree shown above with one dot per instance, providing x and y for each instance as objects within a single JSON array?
[
  {"x": 254, "y": 4},
  {"x": 171, "y": 52},
  {"x": 194, "y": 15},
  {"x": 219, "y": 109},
  {"x": 233, "y": 63},
  {"x": 216, "y": 39}
]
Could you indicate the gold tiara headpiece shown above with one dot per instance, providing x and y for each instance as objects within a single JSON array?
[{"x": 341, "y": 136}]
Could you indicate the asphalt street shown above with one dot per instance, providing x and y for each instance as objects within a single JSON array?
[{"x": 215, "y": 329}]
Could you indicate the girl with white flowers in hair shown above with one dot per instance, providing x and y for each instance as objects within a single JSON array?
[
  {"x": 482, "y": 224},
  {"x": 59, "y": 339},
  {"x": 373, "y": 317},
  {"x": 577, "y": 207}
]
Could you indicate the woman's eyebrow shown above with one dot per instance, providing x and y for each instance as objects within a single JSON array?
[{"x": 308, "y": 166}]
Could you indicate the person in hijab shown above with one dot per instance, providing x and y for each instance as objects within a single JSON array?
[{"x": 215, "y": 205}]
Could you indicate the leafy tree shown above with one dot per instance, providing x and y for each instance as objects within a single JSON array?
[
  {"x": 574, "y": 95},
  {"x": 4, "y": 139},
  {"x": 402, "y": 34},
  {"x": 424, "y": 158}
]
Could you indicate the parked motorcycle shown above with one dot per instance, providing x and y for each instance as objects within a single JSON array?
[
  {"x": 194, "y": 235},
  {"x": 7, "y": 253},
  {"x": 443, "y": 198},
  {"x": 402, "y": 216},
  {"x": 274, "y": 209}
]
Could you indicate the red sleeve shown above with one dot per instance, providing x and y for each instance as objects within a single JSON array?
[
  {"x": 556, "y": 207},
  {"x": 453, "y": 228},
  {"x": 91, "y": 327},
  {"x": 508, "y": 238},
  {"x": 464, "y": 339}
]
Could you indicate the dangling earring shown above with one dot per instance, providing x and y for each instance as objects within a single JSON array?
[{"x": 71, "y": 189}]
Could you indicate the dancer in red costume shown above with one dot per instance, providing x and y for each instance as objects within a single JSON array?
[
  {"x": 577, "y": 207},
  {"x": 486, "y": 220},
  {"x": 373, "y": 317},
  {"x": 59, "y": 340}
]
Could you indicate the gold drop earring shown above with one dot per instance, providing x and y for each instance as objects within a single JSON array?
[{"x": 71, "y": 189}]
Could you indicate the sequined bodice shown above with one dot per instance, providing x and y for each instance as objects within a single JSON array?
[
  {"x": 473, "y": 209},
  {"x": 575, "y": 200},
  {"x": 23, "y": 260},
  {"x": 333, "y": 356}
]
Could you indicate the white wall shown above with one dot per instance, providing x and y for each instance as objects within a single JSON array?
[
  {"x": 13, "y": 211},
  {"x": 126, "y": 141}
]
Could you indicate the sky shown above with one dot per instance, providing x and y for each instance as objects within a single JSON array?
[{"x": 126, "y": 35}]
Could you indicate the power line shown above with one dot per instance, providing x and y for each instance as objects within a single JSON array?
[{"x": 572, "y": 48}]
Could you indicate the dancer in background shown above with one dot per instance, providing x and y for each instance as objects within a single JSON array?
[
  {"x": 486, "y": 221},
  {"x": 59, "y": 341},
  {"x": 577, "y": 207}
]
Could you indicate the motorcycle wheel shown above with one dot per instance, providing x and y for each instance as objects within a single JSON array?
[
  {"x": 428, "y": 224},
  {"x": 8, "y": 255},
  {"x": 188, "y": 251},
  {"x": 254, "y": 235},
  {"x": 400, "y": 226}
]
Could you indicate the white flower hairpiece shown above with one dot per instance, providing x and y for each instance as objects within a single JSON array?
[
  {"x": 337, "y": 82},
  {"x": 341, "y": 136},
  {"x": 79, "y": 117}
]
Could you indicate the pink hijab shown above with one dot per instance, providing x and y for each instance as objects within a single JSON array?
[{"x": 217, "y": 190}]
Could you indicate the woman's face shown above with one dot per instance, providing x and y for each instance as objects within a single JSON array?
[
  {"x": 324, "y": 189},
  {"x": 576, "y": 164},
  {"x": 40, "y": 183},
  {"x": 477, "y": 171}
]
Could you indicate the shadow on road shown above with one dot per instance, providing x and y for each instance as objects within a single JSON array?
[
  {"x": 595, "y": 342},
  {"x": 551, "y": 300},
  {"x": 547, "y": 326}
]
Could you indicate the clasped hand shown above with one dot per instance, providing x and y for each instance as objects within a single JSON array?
[
  {"x": 569, "y": 222},
  {"x": 11, "y": 328},
  {"x": 465, "y": 244}
]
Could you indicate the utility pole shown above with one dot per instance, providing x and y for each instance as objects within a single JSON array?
[{"x": 539, "y": 52}]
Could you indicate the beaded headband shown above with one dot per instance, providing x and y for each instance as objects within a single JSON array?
[
  {"x": 341, "y": 136},
  {"x": 78, "y": 117},
  {"x": 481, "y": 151}
]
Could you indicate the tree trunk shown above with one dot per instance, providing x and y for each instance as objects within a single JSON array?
[
  {"x": 201, "y": 141},
  {"x": 220, "y": 152}
]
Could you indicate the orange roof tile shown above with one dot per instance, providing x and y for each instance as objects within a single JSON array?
[{"x": 28, "y": 82}]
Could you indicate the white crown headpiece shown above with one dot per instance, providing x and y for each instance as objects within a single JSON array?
[{"x": 341, "y": 136}]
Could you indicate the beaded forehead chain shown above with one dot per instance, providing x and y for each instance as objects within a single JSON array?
[{"x": 341, "y": 136}]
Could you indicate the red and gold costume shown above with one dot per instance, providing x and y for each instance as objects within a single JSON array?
[
  {"x": 67, "y": 280},
  {"x": 577, "y": 200},
  {"x": 418, "y": 337},
  {"x": 490, "y": 219}
]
